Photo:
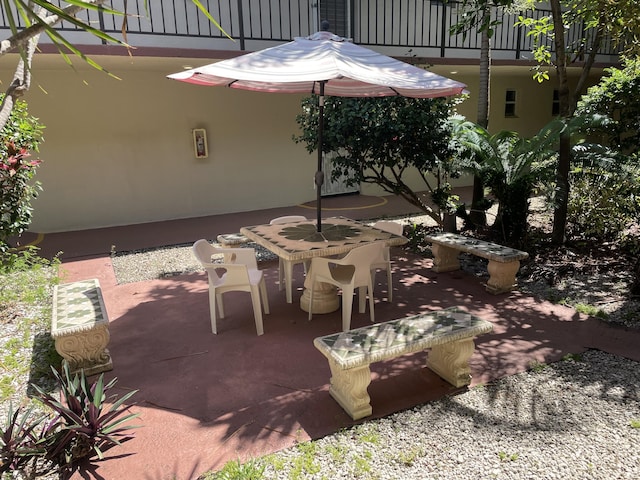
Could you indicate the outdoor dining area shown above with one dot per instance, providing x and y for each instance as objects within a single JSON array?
[
  {"x": 345, "y": 254},
  {"x": 238, "y": 395}
]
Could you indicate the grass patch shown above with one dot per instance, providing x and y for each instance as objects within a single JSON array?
[
  {"x": 591, "y": 310},
  {"x": 26, "y": 290},
  {"x": 537, "y": 366},
  {"x": 234, "y": 470}
]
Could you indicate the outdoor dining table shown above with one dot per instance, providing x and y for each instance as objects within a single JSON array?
[{"x": 300, "y": 240}]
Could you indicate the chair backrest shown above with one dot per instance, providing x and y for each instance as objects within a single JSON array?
[
  {"x": 229, "y": 275},
  {"x": 362, "y": 258},
  {"x": 233, "y": 270},
  {"x": 204, "y": 252},
  {"x": 287, "y": 219},
  {"x": 388, "y": 226}
]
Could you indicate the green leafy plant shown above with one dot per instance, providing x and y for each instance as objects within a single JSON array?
[
  {"x": 21, "y": 134},
  {"x": 506, "y": 457},
  {"x": 234, "y": 470},
  {"x": 23, "y": 440},
  {"x": 537, "y": 366},
  {"x": 604, "y": 198},
  {"x": 79, "y": 426},
  {"x": 26, "y": 284},
  {"x": 591, "y": 310},
  {"x": 389, "y": 142},
  {"x": 509, "y": 166},
  {"x": 572, "y": 357},
  {"x": 87, "y": 426},
  {"x": 416, "y": 232},
  {"x": 635, "y": 422}
]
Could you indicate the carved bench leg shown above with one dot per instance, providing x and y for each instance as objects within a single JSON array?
[
  {"x": 502, "y": 276},
  {"x": 451, "y": 361},
  {"x": 349, "y": 389},
  {"x": 86, "y": 350},
  {"x": 445, "y": 259}
]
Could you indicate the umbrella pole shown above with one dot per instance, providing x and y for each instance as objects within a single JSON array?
[{"x": 319, "y": 174}]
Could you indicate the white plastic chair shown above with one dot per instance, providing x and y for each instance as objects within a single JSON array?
[
  {"x": 348, "y": 273},
  {"x": 285, "y": 267},
  {"x": 237, "y": 272},
  {"x": 391, "y": 227}
]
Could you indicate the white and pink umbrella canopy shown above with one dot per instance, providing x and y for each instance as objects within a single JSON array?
[
  {"x": 300, "y": 66},
  {"x": 322, "y": 64}
]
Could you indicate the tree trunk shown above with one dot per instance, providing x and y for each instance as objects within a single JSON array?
[
  {"x": 477, "y": 215},
  {"x": 564, "y": 154},
  {"x": 21, "y": 79},
  {"x": 26, "y": 42}
]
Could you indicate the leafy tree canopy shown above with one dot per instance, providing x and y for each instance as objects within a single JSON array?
[
  {"x": 382, "y": 140},
  {"x": 618, "y": 96}
]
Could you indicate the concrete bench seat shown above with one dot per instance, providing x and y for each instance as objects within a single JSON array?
[
  {"x": 504, "y": 262},
  {"x": 228, "y": 240},
  {"x": 448, "y": 333},
  {"x": 80, "y": 326}
]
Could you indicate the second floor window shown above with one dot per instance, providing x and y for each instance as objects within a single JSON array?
[{"x": 510, "y": 103}]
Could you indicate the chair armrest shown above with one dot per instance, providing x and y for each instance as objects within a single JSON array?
[{"x": 244, "y": 256}]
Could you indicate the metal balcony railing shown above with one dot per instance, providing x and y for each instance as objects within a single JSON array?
[{"x": 403, "y": 28}]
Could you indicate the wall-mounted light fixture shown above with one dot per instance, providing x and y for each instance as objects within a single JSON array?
[{"x": 200, "y": 143}]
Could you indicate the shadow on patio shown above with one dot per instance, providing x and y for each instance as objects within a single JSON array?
[{"x": 207, "y": 399}]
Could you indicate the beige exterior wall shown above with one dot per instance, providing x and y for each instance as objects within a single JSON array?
[{"x": 120, "y": 152}]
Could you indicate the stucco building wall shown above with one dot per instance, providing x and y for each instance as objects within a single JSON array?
[{"x": 120, "y": 152}]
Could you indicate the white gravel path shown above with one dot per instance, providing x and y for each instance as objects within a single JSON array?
[{"x": 572, "y": 420}]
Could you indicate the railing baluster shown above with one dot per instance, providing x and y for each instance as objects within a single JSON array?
[{"x": 413, "y": 27}]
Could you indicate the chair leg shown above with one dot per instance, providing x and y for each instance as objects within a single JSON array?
[
  {"x": 257, "y": 309},
  {"x": 371, "y": 303},
  {"x": 347, "y": 306},
  {"x": 362, "y": 299},
  {"x": 389, "y": 284},
  {"x": 212, "y": 310},
  {"x": 373, "y": 276},
  {"x": 220, "y": 305}
]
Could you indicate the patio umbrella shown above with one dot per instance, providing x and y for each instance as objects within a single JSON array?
[{"x": 324, "y": 64}]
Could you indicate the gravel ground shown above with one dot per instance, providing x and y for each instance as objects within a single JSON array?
[{"x": 571, "y": 420}]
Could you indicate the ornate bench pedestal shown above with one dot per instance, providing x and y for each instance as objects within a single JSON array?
[
  {"x": 448, "y": 333},
  {"x": 80, "y": 326},
  {"x": 504, "y": 262}
]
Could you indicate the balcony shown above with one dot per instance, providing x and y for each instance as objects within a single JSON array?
[{"x": 401, "y": 28}]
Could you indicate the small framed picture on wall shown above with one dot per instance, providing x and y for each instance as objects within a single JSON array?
[{"x": 200, "y": 143}]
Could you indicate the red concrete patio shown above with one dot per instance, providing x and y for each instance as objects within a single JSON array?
[{"x": 207, "y": 399}]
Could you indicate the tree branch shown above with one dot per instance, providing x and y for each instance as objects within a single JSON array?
[{"x": 21, "y": 39}]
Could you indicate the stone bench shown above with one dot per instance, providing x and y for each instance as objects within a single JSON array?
[
  {"x": 80, "y": 326},
  {"x": 448, "y": 333},
  {"x": 230, "y": 240},
  {"x": 503, "y": 266}
]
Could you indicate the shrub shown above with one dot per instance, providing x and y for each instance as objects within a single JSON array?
[
  {"x": 604, "y": 201},
  {"x": 81, "y": 427},
  {"x": 20, "y": 135}
]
